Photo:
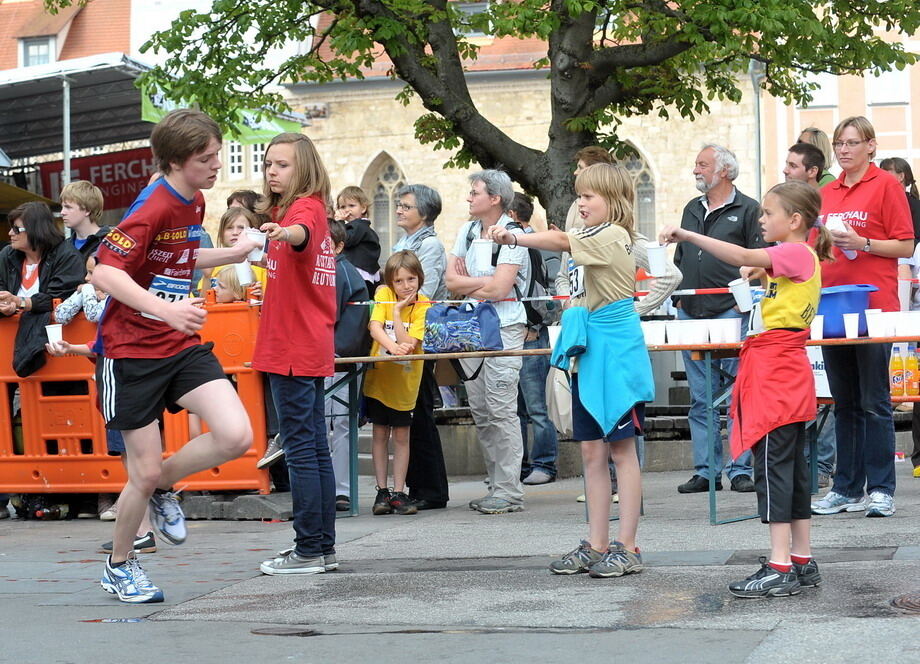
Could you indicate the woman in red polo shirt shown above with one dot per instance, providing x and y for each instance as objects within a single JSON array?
[{"x": 876, "y": 231}]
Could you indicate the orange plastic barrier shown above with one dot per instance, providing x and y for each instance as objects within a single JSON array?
[{"x": 58, "y": 444}]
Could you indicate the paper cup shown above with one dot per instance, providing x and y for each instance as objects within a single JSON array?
[
  {"x": 697, "y": 332},
  {"x": 907, "y": 323},
  {"x": 851, "y": 325},
  {"x": 481, "y": 254},
  {"x": 741, "y": 289},
  {"x": 260, "y": 239},
  {"x": 55, "y": 333},
  {"x": 875, "y": 323},
  {"x": 893, "y": 321},
  {"x": 243, "y": 273},
  {"x": 817, "y": 327},
  {"x": 654, "y": 332},
  {"x": 731, "y": 330},
  {"x": 657, "y": 258},
  {"x": 675, "y": 329}
]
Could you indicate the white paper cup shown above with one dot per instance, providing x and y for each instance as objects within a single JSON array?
[
  {"x": 851, "y": 325},
  {"x": 697, "y": 332},
  {"x": 675, "y": 329},
  {"x": 741, "y": 289},
  {"x": 731, "y": 330},
  {"x": 654, "y": 332},
  {"x": 260, "y": 239},
  {"x": 876, "y": 323},
  {"x": 817, "y": 327},
  {"x": 55, "y": 333},
  {"x": 243, "y": 273},
  {"x": 657, "y": 258},
  {"x": 716, "y": 330},
  {"x": 907, "y": 323},
  {"x": 481, "y": 252}
]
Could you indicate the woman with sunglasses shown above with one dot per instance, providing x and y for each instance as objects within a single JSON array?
[
  {"x": 36, "y": 267},
  {"x": 866, "y": 211}
]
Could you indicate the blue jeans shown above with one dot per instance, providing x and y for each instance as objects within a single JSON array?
[
  {"x": 532, "y": 408},
  {"x": 827, "y": 445},
  {"x": 696, "y": 379},
  {"x": 300, "y": 405},
  {"x": 858, "y": 378}
]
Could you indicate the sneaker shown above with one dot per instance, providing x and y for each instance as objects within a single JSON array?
[
  {"x": 142, "y": 544},
  {"x": 616, "y": 562},
  {"x": 330, "y": 562},
  {"x": 807, "y": 574},
  {"x": 917, "y": 471},
  {"x": 293, "y": 563},
  {"x": 581, "y": 498},
  {"x": 129, "y": 582},
  {"x": 742, "y": 484},
  {"x": 576, "y": 561},
  {"x": 273, "y": 452},
  {"x": 493, "y": 505},
  {"x": 824, "y": 480},
  {"x": 474, "y": 503},
  {"x": 382, "y": 502},
  {"x": 614, "y": 498},
  {"x": 167, "y": 517},
  {"x": 880, "y": 504},
  {"x": 538, "y": 476},
  {"x": 767, "y": 582},
  {"x": 698, "y": 484},
  {"x": 833, "y": 503},
  {"x": 402, "y": 504},
  {"x": 106, "y": 507},
  {"x": 342, "y": 504}
]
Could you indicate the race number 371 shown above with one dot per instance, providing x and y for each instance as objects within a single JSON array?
[{"x": 169, "y": 289}]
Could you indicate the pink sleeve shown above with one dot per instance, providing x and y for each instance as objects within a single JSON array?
[{"x": 792, "y": 260}]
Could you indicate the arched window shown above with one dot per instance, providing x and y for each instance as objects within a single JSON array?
[
  {"x": 381, "y": 181},
  {"x": 641, "y": 175}
]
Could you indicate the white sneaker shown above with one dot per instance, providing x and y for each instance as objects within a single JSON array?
[
  {"x": 167, "y": 517},
  {"x": 880, "y": 504},
  {"x": 834, "y": 503},
  {"x": 538, "y": 476}
]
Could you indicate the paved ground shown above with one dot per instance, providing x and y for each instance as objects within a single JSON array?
[{"x": 456, "y": 586}]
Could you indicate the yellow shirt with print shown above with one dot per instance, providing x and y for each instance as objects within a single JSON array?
[
  {"x": 395, "y": 384},
  {"x": 791, "y": 305}
]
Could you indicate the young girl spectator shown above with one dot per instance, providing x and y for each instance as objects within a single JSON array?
[
  {"x": 295, "y": 343},
  {"x": 228, "y": 288},
  {"x": 391, "y": 388},
  {"x": 86, "y": 298},
  {"x": 774, "y": 390},
  {"x": 233, "y": 224},
  {"x": 612, "y": 373},
  {"x": 362, "y": 246}
]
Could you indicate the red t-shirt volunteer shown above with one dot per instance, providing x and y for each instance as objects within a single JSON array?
[
  {"x": 298, "y": 313},
  {"x": 157, "y": 245},
  {"x": 876, "y": 208}
]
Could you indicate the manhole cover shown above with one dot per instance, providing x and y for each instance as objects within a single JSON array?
[{"x": 909, "y": 603}]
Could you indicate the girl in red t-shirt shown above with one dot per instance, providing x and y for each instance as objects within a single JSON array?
[{"x": 295, "y": 342}]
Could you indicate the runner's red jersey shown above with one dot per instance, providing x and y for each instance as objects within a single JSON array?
[
  {"x": 876, "y": 208},
  {"x": 156, "y": 244},
  {"x": 298, "y": 313}
]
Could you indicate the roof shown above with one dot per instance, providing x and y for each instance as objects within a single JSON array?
[
  {"x": 105, "y": 105},
  {"x": 11, "y": 197}
]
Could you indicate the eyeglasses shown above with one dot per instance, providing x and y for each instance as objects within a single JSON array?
[
  {"x": 17, "y": 230},
  {"x": 838, "y": 145},
  {"x": 404, "y": 207}
]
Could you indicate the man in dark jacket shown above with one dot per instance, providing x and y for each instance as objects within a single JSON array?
[{"x": 724, "y": 213}]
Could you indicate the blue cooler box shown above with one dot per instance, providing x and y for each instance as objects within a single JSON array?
[{"x": 839, "y": 300}]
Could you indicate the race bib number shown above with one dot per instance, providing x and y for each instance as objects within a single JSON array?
[
  {"x": 576, "y": 280},
  {"x": 169, "y": 289}
]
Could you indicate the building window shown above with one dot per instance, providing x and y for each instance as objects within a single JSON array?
[
  {"x": 888, "y": 87},
  {"x": 641, "y": 175},
  {"x": 825, "y": 95},
  {"x": 468, "y": 10},
  {"x": 387, "y": 182},
  {"x": 234, "y": 160},
  {"x": 37, "y": 51},
  {"x": 257, "y": 159}
]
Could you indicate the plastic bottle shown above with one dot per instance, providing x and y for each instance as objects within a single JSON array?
[
  {"x": 912, "y": 372},
  {"x": 896, "y": 373},
  {"x": 52, "y": 512}
]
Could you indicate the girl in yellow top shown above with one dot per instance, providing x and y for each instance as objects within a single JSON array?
[
  {"x": 774, "y": 390},
  {"x": 391, "y": 388}
]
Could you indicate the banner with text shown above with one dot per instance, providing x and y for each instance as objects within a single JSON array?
[{"x": 120, "y": 175}]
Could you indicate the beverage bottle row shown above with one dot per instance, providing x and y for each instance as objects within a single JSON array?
[{"x": 904, "y": 373}]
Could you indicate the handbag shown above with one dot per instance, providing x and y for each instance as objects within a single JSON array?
[{"x": 463, "y": 328}]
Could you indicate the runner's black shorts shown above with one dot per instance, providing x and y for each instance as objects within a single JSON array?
[{"x": 133, "y": 392}]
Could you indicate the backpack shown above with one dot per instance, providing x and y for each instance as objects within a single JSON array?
[{"x": 539, "y": 312}]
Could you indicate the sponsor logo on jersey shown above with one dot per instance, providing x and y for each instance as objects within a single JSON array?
[
  {"x": 119, "y": 242},
  {"x": 172, "y": 236}
]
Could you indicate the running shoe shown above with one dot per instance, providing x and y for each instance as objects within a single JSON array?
[
  {"x": 495, "y": 505},
  {"x": 129, "y": 582},
  {"x": 807, "y": 574},
  {"x": 142, "y": 544},
  {"x": 834, "y": 503},
  {"x": 329, "y": 560},
  {"x": 616, "y": 562},
  {"x": 167, "y": 517},
  {"x": 767, "y": 582},
  {"x": 402, "y": 504},
  {"x": 474, "y": 503},
  {"x": 880, "y": 504},
  {"x": 293, "y": 563},
  {"x": 576, "y": 561},
  {"x": 273, "y": 452},
  {"x": 382, "y": 502}
]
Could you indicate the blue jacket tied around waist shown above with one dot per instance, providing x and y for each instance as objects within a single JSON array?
[{"x": 614, "y": 370}]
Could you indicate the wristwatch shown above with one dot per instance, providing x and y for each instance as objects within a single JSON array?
[{"x": 868, "y": 246}]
